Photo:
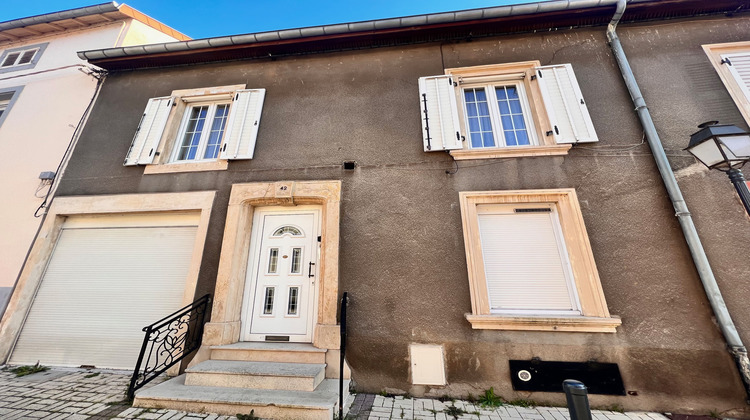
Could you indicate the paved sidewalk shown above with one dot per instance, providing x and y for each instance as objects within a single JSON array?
[
  {"x": 79, "y": 394},
  {"x": 376, "y": 407}
]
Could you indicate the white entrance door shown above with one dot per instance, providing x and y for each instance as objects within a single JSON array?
[{"x": 282, "y": 277}]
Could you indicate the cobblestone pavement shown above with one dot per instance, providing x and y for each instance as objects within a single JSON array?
[
  {"x": 376, "y": 407},
  {"x": 78, "y": 394}
]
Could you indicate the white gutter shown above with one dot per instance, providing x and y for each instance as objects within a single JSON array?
[{"x": 728, "y": 329}]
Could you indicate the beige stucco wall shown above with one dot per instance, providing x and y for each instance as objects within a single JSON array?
[{"x": 41, "y": 122}]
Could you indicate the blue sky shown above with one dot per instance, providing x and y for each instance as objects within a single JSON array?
[{"x": 209, "y": 18}]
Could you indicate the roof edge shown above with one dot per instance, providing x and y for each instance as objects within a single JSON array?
[
  {"x": 347, "y": 28},
  {"x": 110, "y": 7},
  {"x": 65, "y": 14}
]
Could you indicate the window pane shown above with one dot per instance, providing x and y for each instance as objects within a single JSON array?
[
  {"x": 293, "y": 298},
  {"x": 287, "y": 229},
  {"x": 217, "y": 131},
  {"x": 478, "y": 118},
  {"x": 10, "y": 59},
  {"x": 268, "y": 301},
  {"x": 296, "y": 260},
  {"x": 27, "y": 56},
  {"x": 511, "y": 116},
  {"x": 193, "y": 132},
  {"x": 273, "y": 260}
]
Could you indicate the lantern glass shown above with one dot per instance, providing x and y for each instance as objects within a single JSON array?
[
  {"x": 707, "y": 152},
  {"x": 736, "y": 147}
]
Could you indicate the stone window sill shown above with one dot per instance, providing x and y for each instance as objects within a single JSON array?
[
  {"x": 544, "y": 323},
  {"x": 169, "y": 168},
  {"x": 512, "y": 152}
]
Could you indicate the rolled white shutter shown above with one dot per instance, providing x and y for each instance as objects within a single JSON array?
[
  {"x": 569, "y": 117},
  {"x": 101, "y": 287},
  {"x": 525, "y": 260},
  {"x": 440, "y": 126},
  {"x": 149, "y": 132},
  {"x": 739, "y": 68},
  {"x": 242, "y": 127}
]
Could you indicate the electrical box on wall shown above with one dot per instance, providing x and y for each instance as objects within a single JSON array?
[
  {"x": 427, "y": 364},
  {"x": 538, "y": 375}
]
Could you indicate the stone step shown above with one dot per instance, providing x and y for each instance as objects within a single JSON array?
[
  {"x": 269, "y": 352},
  {"x": 256, "y": 375},
  {"x": 173, "y": 394}
]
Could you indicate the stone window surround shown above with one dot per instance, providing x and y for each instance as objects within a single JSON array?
[
  {"x": 170, "y": 137},
  {"x": 64, "y": 207},
  {"x": 16, "y": 94},
  {"x": 545, "y": 147},
  {"x": 26, "y": 66},
  {"x": 225, "y": 324},
  {"x": 595, "y": 318}
]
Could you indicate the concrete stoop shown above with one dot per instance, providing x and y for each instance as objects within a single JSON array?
[{"x": 273, "y": 380}]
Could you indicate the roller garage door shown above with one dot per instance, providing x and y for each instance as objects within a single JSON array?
[{"x": 107, "y": 278}]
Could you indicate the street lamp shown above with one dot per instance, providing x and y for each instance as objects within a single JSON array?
[{"x": 724, "y": 147}]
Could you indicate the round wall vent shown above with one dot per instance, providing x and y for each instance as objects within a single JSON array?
[{"x": 524, "y": 375}]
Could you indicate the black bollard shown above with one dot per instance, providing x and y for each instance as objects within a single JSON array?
[{"x": 578, "y": 399}]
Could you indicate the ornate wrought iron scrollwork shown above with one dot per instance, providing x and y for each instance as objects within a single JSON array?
[{"x": 168, "y": 341}]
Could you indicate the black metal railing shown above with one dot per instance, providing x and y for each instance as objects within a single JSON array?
[
  {"x": 344, "y": 302},
  {"x": 168, "y": 341}
]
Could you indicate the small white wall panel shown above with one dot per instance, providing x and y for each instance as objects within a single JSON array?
[
  {"x": 101, "y": 287},
  {"x": 523, "y": 263},
  {"x": 427, "y": 364}
]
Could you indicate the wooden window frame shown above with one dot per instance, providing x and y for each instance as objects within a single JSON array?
[
  {"x": 205, "y": 133},
  {"x": 714, "y": 53},
  {"x": 538, "y": 123},
  {"x": 595, "y": 316}
]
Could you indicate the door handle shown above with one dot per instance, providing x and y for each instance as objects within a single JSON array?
[{"x": 309, "y": 270}]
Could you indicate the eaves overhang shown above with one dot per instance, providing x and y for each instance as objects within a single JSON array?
[
  {"x": 18, "y": 30},
  {"x": 459, "y": 25}
]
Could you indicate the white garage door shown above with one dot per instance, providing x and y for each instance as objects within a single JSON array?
[{"x": 108, "y": 277}]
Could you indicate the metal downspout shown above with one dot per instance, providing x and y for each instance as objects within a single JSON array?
[{"x": 728, "y": 329}]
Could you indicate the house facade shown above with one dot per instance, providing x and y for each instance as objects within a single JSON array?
[
  {"x": 41, "y": 75},
  {"x": 477, "y": 181}
]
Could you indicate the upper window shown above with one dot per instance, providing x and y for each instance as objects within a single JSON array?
[
  {"x": 202, "y": 132},
  {"x": 506, "y": 110},
  {"x": 530, "y": 263},
  {"x": 21, "y": 58},
  {"x": 197, "y": 129},
  {"x": 8, "y": 97},
  {"x": 732, "y": 62}
]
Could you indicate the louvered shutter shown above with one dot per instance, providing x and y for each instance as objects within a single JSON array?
[
  {"x": 739, "y": 67},
  {"x": 440, "y": 127},
  {"x": 569, "y": 117},
  {"x": 525, "y": 261},
  {"x": 149, "y": 132},
  {"x": 242, "y": 127}
]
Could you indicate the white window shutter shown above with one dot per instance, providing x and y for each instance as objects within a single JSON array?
[
  {"x": 440, "y": 127},
  {"x": 739, "y": 68},
  {"x": 149, "y": 132},
  {"x": 242, "y": 126},
  {"x": 569, "y": 117}
]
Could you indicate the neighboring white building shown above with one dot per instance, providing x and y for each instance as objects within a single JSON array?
[{"x": 45, "y": 92}]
